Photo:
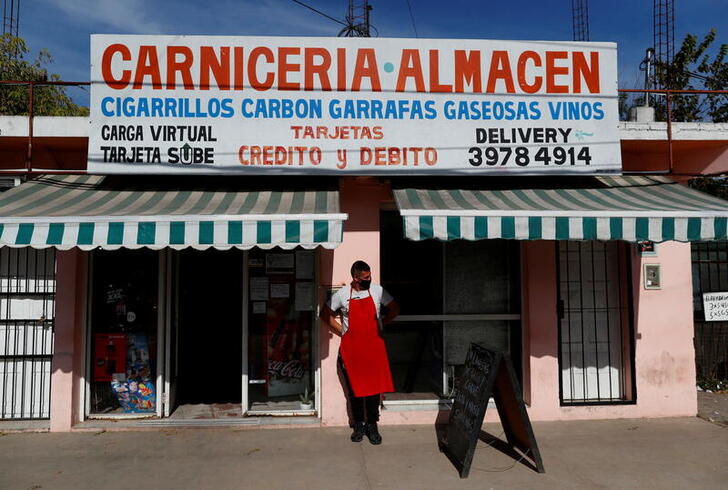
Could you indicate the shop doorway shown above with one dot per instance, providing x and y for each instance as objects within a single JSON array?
[
  {"x": 207, "y": 334},
  {"x": 240, "y": 335},
  {"x": 235, "y": 334}
]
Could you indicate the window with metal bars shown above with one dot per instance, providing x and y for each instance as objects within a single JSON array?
[
  {"x": 710, "y": 274},
  {"x": 595, "y": 340},
  {"x": 27, "y": 311}
]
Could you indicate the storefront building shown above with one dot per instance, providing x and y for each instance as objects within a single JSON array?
[{"x": 189, "y": 299}]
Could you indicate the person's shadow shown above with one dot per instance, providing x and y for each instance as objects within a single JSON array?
[{"x": 344, "y": 381}]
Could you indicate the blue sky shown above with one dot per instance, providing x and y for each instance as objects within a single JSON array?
[{"x": 64, "y": 26}]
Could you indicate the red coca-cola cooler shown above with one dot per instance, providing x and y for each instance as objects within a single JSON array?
[
  {"x": 287, "y": 351},
  {"x": 109, "y": 355}
]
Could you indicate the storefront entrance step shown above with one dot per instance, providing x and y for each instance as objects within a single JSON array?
[
  {"x": 257, "y": 421},
  {"x": 127, "y": 424},
  {"x": 207, "y": 411},
  {"x": 8, "y": 426},
  {"x": 199, "y": 422}
]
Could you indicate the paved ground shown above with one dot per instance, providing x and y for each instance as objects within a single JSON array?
[
  {"x": 663, "y": 453},
  {"x": 713, "y": 407}
]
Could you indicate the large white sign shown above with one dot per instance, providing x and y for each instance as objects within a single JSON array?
[
  {"x": 258, "y": 105},
  {"x": 715, "y": 306}
]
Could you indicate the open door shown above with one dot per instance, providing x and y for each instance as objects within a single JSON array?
[
  {"x": 203, "y": 335},
  {"x": 171, "y": 333}
]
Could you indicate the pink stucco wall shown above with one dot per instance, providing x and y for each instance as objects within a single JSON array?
[
  {"x": 663, "y": 335},
  {"x": 664, "y": 353},
  {"x": 663, "y": 338},
  {"x": 540, "y": 339},
  {"x": 68, "y": 356},
  {"x": 360, "y": 198}
]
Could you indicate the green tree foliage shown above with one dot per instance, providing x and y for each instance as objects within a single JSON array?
[
  {"x": 716, "y": 186},
  {"x": 48, "y": 100},
  {"x": 693, "y": 68}
]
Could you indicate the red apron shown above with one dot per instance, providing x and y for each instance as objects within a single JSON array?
[{"x": 363, "y": 351}]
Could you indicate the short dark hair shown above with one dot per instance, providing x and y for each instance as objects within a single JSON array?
[{"x": 358, "y": 267}]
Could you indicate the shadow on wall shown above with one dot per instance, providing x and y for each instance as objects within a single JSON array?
[
  {"x": 540, "y": 301},
  {"x": 602, "y": 285},
  {"x": 68, "y": 338},
  {"x": 689, "y": 157},
  {"x": 361, "y": 199},
  {"x": 48, "y": 153},
  {"x": 635, "y": 271},
  {"x": 326, "y": 259}
]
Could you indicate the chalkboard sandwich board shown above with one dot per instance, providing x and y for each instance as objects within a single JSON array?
[{"x": 487, "y": 373}]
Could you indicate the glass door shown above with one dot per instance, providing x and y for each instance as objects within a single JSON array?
[
  {"x": 123, "y": 380},
  {"x": 171, "y": 327},
  {"x": 281, "y": 326},
  {"x": 481, "y": 301}
]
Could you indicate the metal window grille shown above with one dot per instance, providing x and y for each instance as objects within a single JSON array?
[
  {"x": 594, "y": 323},
  {"x": 710, "y": 274},
  {"x": 27, "y": 311}
]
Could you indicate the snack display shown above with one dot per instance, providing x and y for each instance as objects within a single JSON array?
[{"x": 134, "y": 389}]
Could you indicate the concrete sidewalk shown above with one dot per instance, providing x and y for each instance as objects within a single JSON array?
[
  {"x": 713, "y": 407},
  {"x": 663, "y": 453}
]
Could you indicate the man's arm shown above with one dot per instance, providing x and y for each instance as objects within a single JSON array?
[
  {"x": 329, "y": 317},
  {"x": 391, "y": 312}
]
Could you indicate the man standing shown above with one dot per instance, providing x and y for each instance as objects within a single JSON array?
[{"x": 363, "y": 354}]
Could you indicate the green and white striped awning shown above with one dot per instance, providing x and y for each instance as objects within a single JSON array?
[
  {"x": 607, "y": 208},
  {"x": 88, "y": 211}
]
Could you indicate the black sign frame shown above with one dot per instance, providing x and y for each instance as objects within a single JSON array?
[{"x": 487, "y": 373}]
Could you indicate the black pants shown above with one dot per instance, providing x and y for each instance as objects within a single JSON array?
[
  {"x": 362, "y": 404},
  {"x": 363, "y": 408}
]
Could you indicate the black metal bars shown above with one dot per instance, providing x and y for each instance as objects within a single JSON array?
[
  {"x": 27, "y": 311},
  {"x": 593, "y": 318},
  {"x": 710, "y": 274}
]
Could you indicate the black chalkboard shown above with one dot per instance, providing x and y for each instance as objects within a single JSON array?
[{"x": 487, "y": 373}]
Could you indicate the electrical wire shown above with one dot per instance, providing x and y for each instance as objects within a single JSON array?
[
  {"x": 319, "y": 12},
  {"x": 412, "y": 17},
  {"x": 502, "y": 468}
]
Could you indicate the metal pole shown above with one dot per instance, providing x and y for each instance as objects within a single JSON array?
[
  {"x": 648, "y": 64},
  {"x": 29, "y": 155},
  {"x": 366, "y": 12},
  {"x": 669, "y": 130}
]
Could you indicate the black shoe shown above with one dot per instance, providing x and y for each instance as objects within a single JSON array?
[
  {"x": 373, "y": 433},
  {"x": 358, "y": 433}
]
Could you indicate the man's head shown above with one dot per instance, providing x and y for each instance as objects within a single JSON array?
[{"x": 362, "y": 274}]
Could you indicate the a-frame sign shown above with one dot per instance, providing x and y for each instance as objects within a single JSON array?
[{"x": 487, "y": 373}]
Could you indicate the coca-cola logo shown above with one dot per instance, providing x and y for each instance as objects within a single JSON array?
[{"x": 286, "y": 369}]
